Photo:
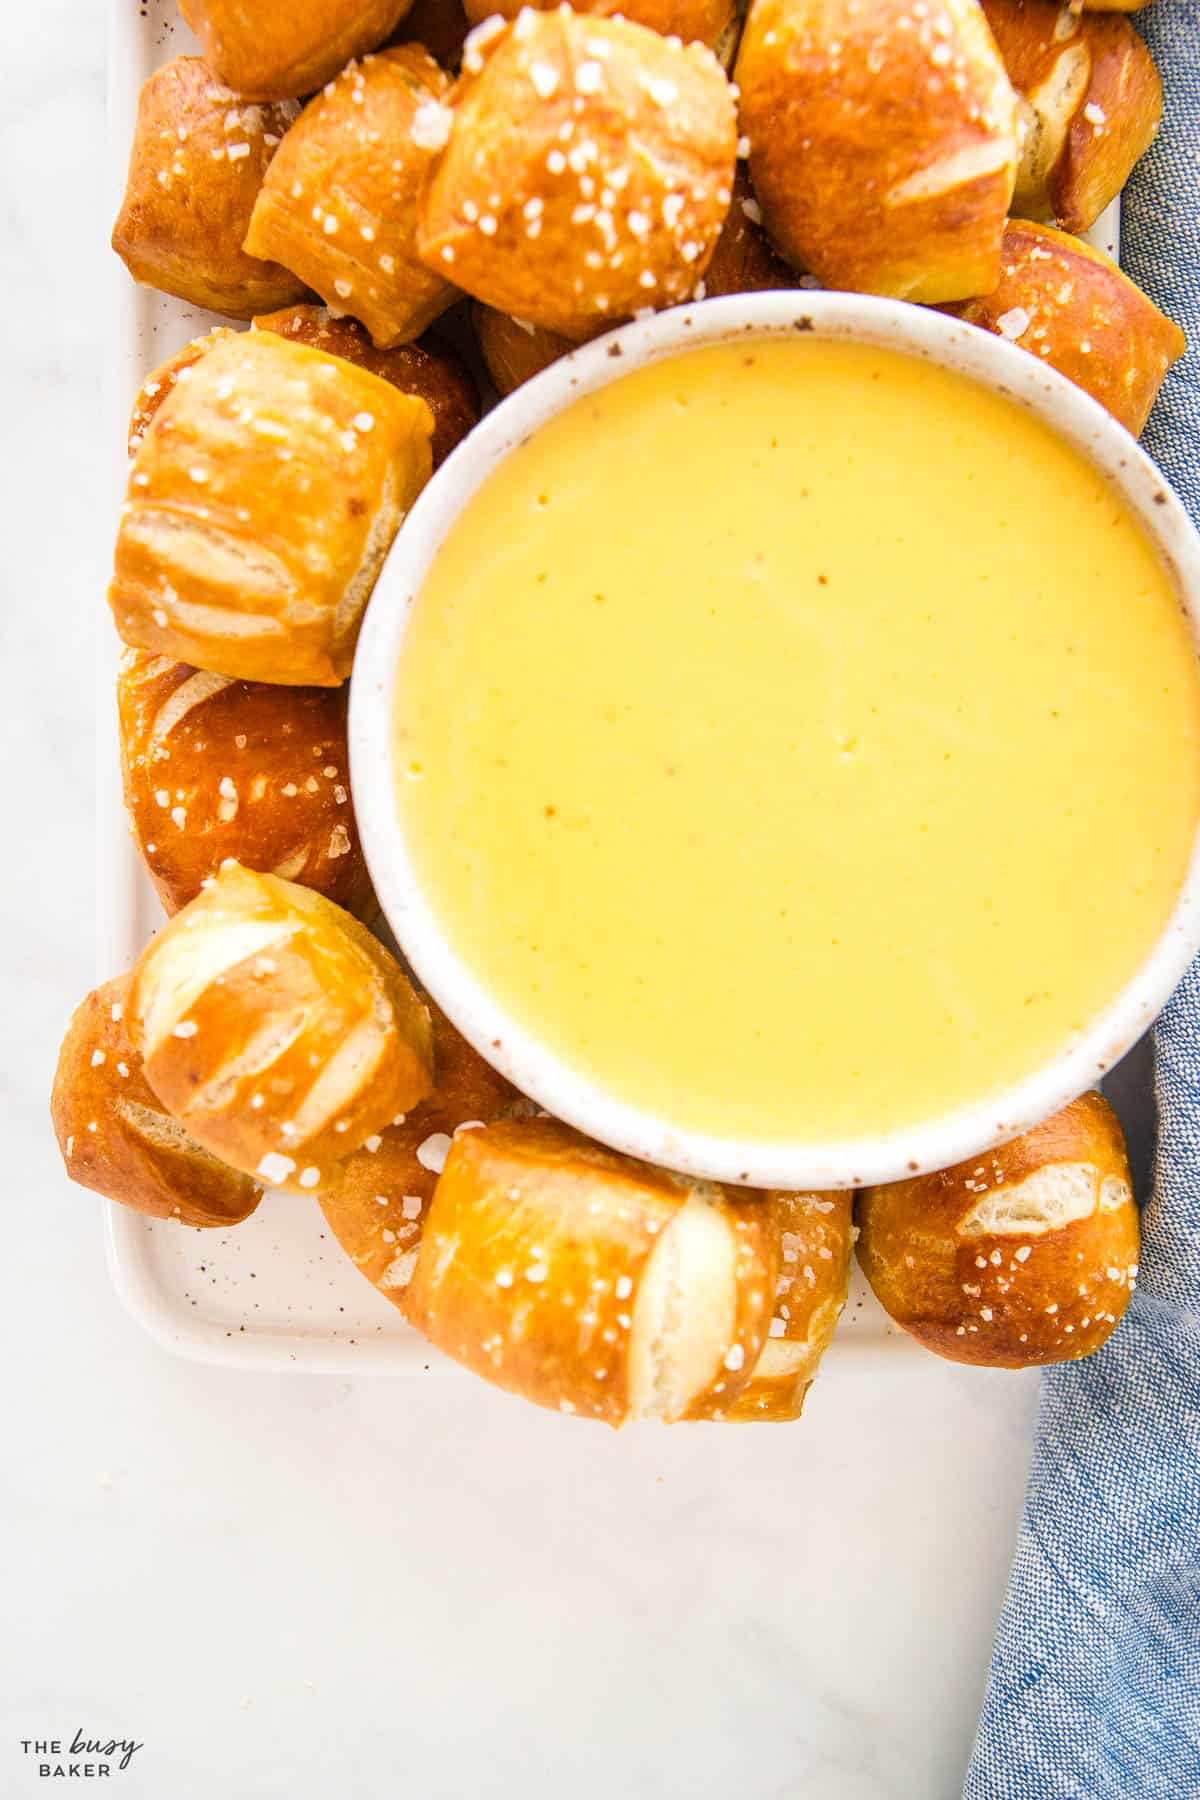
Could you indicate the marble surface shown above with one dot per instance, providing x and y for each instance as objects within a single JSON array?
[{"x": 305, "y": 1585}]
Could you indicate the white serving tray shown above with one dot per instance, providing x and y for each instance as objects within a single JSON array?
[{"x": 276, "y": 1292}]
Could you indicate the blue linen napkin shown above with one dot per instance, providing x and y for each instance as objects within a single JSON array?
[{"x": 1094, "y": 1692}]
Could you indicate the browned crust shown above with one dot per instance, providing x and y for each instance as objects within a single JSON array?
[
  {"x": 533, "y": 1256},
  {"x": 1072, "y": 307},
  {"x": 343, "y": 214},
  {"x": 882, "y": 144},
  {"x": 579, "y": 188},
  {"x": 242, "y": 1051},
  {"x": 115, "y": 1137},
  {"x": 214, "y": 768},
  {"x": 199, "y": 156},
  {"x": 513, "y": 350},
  {"x": 278, "y": 49},
  {"x": 1093, "y": 103},
  {"x": 1011, "y": 1299},
  {"x": 378, "y": 1202},
  {"x": 261, "y": 502},
  {"x": 430, "y": 369},
  {"x": 693, "y": 21}
]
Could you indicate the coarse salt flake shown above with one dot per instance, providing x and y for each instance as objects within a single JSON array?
[
  {"x": 1013, "y": 324},
  {"x": 275, "y": 1167},
  {"x": 544, "y": 77},
  {"x": 430, "y": 128},
  {"x": 432, "y": 1153}
]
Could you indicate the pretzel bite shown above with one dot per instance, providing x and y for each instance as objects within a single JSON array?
[
  {"x": 262, "y": 501},
  {"x": 429, "y": 370},
  {"x": 215, "y": 769},
  {"x": 378, "y": 1199},
  {"x": 277, "y": 49},
  {"x": 198, "y": 160},
  {"x": 115, "y": 1137},
  {"x": 589, "y": 1282},
  {"x": 1061, "y": 300},
  {"x": 200, "y": 152},
  {"x": 339, "y": 205},
  {"x": 1090, "y": 100},
  {"x": 276, "y": 1029},
  {"x": 708, "y": 22},
  {"x": 513, "y": 350},
  {"x": 587, "y": 174},
  {"x": 882, "y": 142},
  {"x": 814, "y": 1233},
  {"x": 1026, "y": 1254}
]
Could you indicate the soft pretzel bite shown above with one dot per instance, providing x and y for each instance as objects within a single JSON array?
[
  {"x": 1090, "y": 100},
  {"x": 693, "y": 21},
  {"x": 588, "y": 171},
  {"x": 115, "y": 1137},
  {"x": 277, "y": 49},
  {"x": 262, "y": 500},
  {"x": 199, "y": 156},
  {"x": 513, "y": 350},
  {"x": 276, "y": 1029},
  {"x": 1063, "y": 301},
  {"x": 215, "y": 769},
  {"x": 589, "y": 1282},
  {"x": 815, "y": 1238},
  {"x": 378, "y": 1200},
  {"x": 339, "y": 206},
  {"x": 882, "y": 142},
  {"x": 1026, "y": 1254},
  {"x": 430, "y": 369}
]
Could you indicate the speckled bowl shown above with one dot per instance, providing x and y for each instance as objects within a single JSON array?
[{"x": 552, "y": 1081}]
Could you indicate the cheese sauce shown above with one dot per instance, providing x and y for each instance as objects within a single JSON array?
[{"x": 799, "y": 739}]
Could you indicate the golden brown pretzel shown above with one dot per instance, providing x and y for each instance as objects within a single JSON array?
[
  {"x": 589, "y": 1282},
  {"x": 276, "y": 1028},
  {"x": 278, "y": 49},
  {"x": 1071, "y": 306},
  {"x": 199, "y": 156},
  {"x": 1025, "y": 1254},
  {"x": 216, "y": 769},
  {"x": 115, "y": 1137},
  {"x": 587, "y": 174},
  {"x": 882, "y": 142},
  {"x": 342, "y": 213},
  {"x": 262, "y": 501},
  {"x": 1091, "y": 101}
]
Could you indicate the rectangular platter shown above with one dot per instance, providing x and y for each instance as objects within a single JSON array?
[{"x": 277, "y": 1293}]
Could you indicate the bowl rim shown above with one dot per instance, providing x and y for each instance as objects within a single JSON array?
[{"x": 516, "y": 1052}]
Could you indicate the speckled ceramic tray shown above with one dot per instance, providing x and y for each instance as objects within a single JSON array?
[{"x": 277, "y": 1292}]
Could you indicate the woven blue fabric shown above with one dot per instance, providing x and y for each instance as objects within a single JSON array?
[{"x": 1094, "y": 1692}]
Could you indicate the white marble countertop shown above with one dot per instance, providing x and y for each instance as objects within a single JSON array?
[{"x": 310, "y": 1586}]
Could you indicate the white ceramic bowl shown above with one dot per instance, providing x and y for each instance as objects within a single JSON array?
[{"x": 527, "y": 1062}]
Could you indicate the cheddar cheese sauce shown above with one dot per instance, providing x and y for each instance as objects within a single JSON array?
[{"x": 799, "y": 739}]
